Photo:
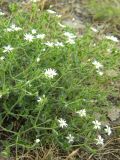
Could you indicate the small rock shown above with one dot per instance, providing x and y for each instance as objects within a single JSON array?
[{"x": 114, "y": 113}]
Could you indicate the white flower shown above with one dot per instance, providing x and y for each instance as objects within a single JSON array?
[
  {"x": 50, "y": 73},
  {"x": 18, "y": 29},
  {"x": 29, "y": 84},
  {"x": 43, "y": 49},
  {"x": 59, "y": 15},
  {"x": 7, "y": 49},
  {"x": 59, "y": 44},
  {"x": 97, "y": 64},
  {"x": 97, "y": 124},
  {"x": 40, "y": 36},
  {"x": 100, "y": 140},
  {"x": 61, "y": 25},
  {"x": 82, "y": 113},
  {"x": 50, "y": 44},
  {"x": 94, "y": 44},
  {"x": 115, "y": 39},
  {"x": 13, "y": 28},
  {"x": 70, "y": 138},
  {"x": 100, "y": 72},
  {"x": 69, "y": 35},
  {"x": 71, "y": 41},
  {"x": 51, "y": 6},
  {"x": 39, "y": 99},
  {"x": 28, "y": 37},
  {"x": 9, "y": 30},
  {"x": 38, "y": 59},
  {"x": 0, "y": 95},
  {"x": 2, "y": 58},
  {"x": 94, "y": 29},
  {"x": 108, "y": 130},
  {"x": 34, "y": 31},
  {"x": 109, "y": 50},
  {"x": 2, "y": 14},
  {"x": 51, "y": 11},
  {"x": 62, "y": 123},
  {"x": 73, "y": 19},
  {"x": 37, "y": 140}
]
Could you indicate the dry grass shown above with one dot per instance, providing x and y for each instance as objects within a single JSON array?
[{"x": 111, "y": 151}]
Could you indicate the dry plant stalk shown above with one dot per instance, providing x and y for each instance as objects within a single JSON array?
[{"x": 71, "y": 155}]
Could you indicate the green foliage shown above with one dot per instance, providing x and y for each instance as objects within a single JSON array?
[
  {"x": 76, "y": 86},
  {"x": 108, "y": 10}
]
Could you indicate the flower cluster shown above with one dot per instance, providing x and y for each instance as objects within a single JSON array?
[
  {"x": 100, "y": 140},
  {"x": 50, "y": 73},
  {"x": 13, "y": 28},
  {"x": 96, "y": 123},
  {"x": 54, "y": 44},
  {"x": 98, "y": 66},
  {"x": 2, "y": 13},
  {"x": 112, "y": 38},
  {"x": 70, "y": 37},
  {"x": 33, "y": 35}
]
